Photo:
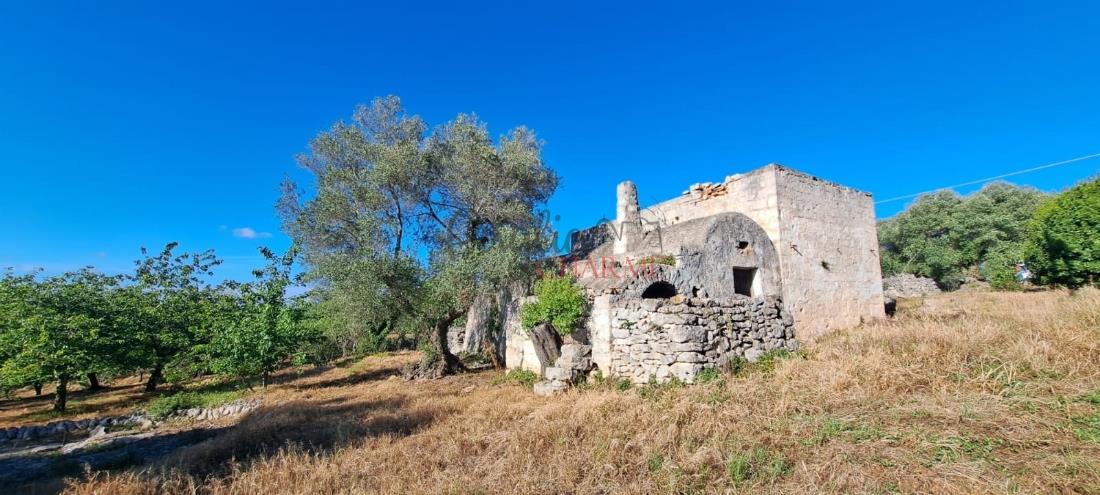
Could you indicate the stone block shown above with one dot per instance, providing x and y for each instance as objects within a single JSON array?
[
  {"x": 690, "y": 357},
  {"x": 556, "y": 373},
  {"x": 575, "y": 350},
  {"x": 686, "y": 334},
  {"x": 547, "y": 388},
  {"x": 685, "y": 371},
  {"x": 693, "y": 346}
]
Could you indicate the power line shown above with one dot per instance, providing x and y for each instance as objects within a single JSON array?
[{"x": 987, "y": 179}]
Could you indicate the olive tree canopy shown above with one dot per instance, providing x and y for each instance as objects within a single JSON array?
[{"x": 407, "y": 225}]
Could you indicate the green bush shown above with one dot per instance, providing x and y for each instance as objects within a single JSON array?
[
  {"x": 517, "y": 376},
  {"x": 560, "y": 302},
  {"x": 999, "y": 267},
  {"x": 428, "y": 353},
  {"x": 1064, "y": 242}
]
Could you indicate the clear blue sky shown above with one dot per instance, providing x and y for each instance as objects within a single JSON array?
[{"x": 140, "y": 123}]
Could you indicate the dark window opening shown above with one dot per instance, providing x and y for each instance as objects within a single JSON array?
[
  {"x": 742, "y": 244},
  {"x": 742, "y": 280},
  {"x": 659, "y": 290}
]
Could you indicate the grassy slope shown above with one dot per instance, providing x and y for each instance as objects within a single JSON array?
[{"x": 968, "y": 393}]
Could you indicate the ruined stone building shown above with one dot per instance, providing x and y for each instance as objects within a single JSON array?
[{"x": 757, "y": 262}]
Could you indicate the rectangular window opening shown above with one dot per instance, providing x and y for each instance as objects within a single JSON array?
[{"x": 742, "y": 280}]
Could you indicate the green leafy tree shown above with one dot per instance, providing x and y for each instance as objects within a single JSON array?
[
  {"x": 16, "y": 298},
  {"x": 60, "y": 323},
  {"x": 168, "y": 308},
  {"x": 945, "y": 236},
  {"x": 417, "y": 225},
  {"x": 259, "y": 329},
  {"x": 1064, "y": 245}
]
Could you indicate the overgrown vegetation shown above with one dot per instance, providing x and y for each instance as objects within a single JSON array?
[
  {"x": 559, "y": 302},
  {"x": 985, "y": 235},
  {"x": 1064, "y": 242},
  {"x": 659, "y": 259},
  {"x": 947, "y": 237},
  {"x": 518, "y": 376}
]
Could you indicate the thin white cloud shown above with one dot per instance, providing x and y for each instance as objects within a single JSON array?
[{"x": 250, "y": 233}]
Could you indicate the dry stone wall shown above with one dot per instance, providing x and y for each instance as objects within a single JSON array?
[{"x": 660, "y": 339}]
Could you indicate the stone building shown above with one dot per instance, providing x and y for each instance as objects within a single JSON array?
[{"x": 735, "y": 268}]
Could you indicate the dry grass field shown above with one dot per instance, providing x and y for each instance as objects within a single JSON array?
[{"x": 963, "y": 393}]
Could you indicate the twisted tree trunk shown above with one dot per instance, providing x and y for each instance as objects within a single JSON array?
[
  {"x": 547, "y": 345},
  {"x": 62, "y": 393}
]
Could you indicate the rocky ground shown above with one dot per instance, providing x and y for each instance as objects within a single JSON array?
[{"x": 35, "y": 455}]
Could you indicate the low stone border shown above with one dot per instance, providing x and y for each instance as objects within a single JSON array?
[
  {"x": 234, "y": 408},
  {"x": 55, "y": 428},
  {"x": 85, "y": 426}
]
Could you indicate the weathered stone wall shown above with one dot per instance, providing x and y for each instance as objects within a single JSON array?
[
  {"x": 519, "y": 351},
  {"x": 818, "y": 250},
  {"x": 824, "y": 233},
  {"x": 664, "y": 338},
  {"x": 828, "y": 249},
  {"x": 752, "y": 194}
]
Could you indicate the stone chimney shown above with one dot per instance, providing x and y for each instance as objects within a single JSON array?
[{"x": 628, "y": 216}]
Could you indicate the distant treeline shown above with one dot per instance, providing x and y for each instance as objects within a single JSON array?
[{"x": 983, "y": 236}]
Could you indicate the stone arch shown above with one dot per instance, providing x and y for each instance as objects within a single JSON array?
[
  {"x": 735, "y": 257},
  {"x": 659, "y": 290}
]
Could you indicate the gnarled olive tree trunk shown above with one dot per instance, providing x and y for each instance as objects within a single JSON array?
[{"x": 547, "y": 345}]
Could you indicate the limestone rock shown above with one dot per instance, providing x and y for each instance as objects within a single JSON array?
[{"x": 547, "y": 388}]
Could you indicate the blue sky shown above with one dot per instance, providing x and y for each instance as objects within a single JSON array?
[{"x": 134, "y": 124}]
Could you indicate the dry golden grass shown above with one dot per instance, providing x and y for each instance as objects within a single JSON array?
[{"x": 967, "y": 393}]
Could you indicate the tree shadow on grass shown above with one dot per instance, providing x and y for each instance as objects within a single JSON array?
[
  {"x": 42, "y": 473},
  {"x": 313, "y": 426},
  {"x": 40, "y": 408},
  {"x": 353, "y": 379}
]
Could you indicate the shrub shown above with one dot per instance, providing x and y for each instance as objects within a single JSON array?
[
  {"x": 428, "y": 353},
  {"x": 517, "y": 376},
  {"x": 999, "y": 267},
  {"x": 1064, "y": 242},
  {"x": 560, "y": 303}
]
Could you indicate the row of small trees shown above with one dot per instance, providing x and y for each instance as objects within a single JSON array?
[
  {"x": 164, "y": 319},
  {"x": 949, "y": 237}
]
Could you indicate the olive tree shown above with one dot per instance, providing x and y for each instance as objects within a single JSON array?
[{"x": 409, "y": 226}]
